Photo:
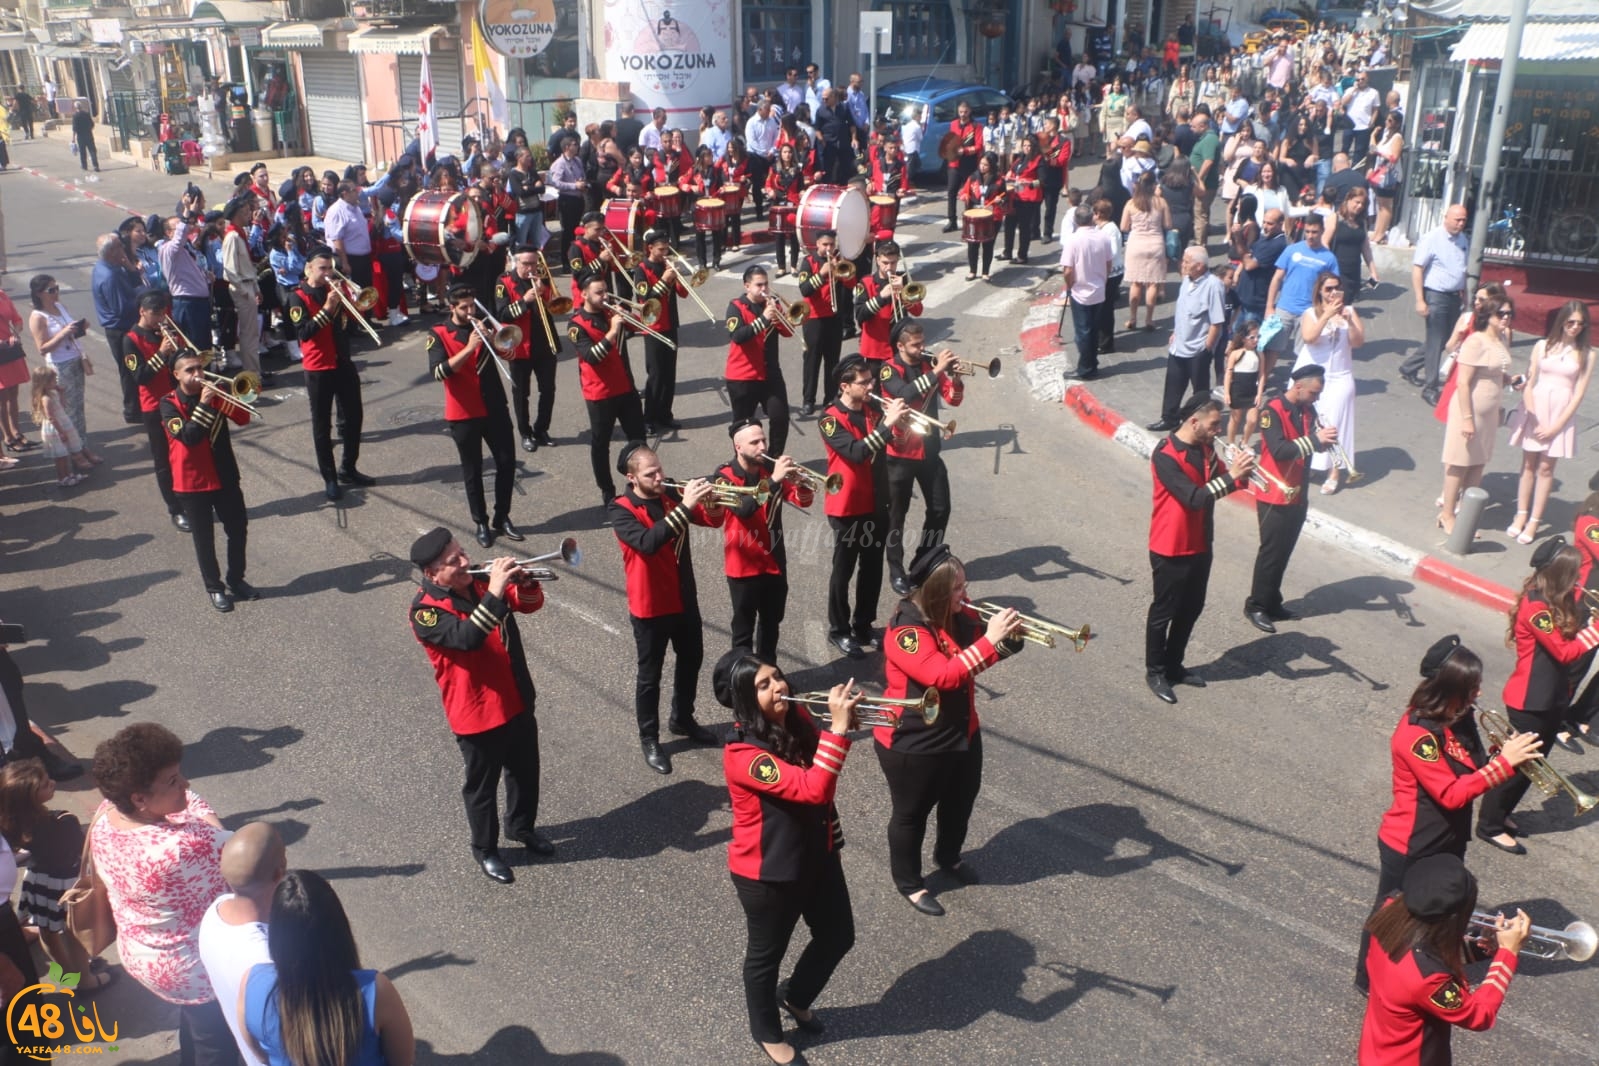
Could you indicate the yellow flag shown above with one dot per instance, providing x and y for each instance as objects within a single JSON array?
[{"x": 481, "y": 59}]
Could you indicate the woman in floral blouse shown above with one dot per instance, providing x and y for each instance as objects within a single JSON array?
[{"x": 157, "y": 847}]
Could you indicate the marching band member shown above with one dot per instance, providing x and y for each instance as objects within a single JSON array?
[
  {"x": 890, "y": 177},
  {"x": 1027, "y": 182},
  {"x": 1287, "y": 442},
  {"x": 702, "y": 181},
  {"x": 1055, "y": 155},
  {"x": 753, "y": 550},
  {"x": 474, "y": 408},
  {"x": 319, "y": 321},
  {"x": 655, "y": 278},
  {"x": 934, "y": 643},
  {"x": 863, "y": 268},
  {"x": 1188, "y": 482},
  {"x": 517, "y": 298},
  {"x": 467, "y": 625},
  {"x": 856, "y": 435},
  {"x": 1550, "y": 628},
  {"x": 965, "y": 161},
  {"x": 879, "y": 303},
  {"x": 672, "y": 166},
  {"x": 734, "y": 169},
  {"x": 588, "y": 255},
  {"x": 754, "y": 375},
  {"x": 1419, "y": 989},
  {"x": 1585, "y": 537},
  {"x": 823, "y": 328},
  {"x": 985, "y": 188},
  {"x": 651, "y": 522},
  {"x": 606, "y": 376},
  {"x": 205, "y": 475},
  {"x": 784, "y": 854},
  {"x": 914, "y": 458},
  {"x": 784, "y": 184},
  {"x": 149, "y": 358}
]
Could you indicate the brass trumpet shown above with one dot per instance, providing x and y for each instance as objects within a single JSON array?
[
  {"x": 569, "y": 553},
  {"x": 638, "y": 316},
  {"x": 1340, "y": 458},
  {"x": 1576, "y": 942},
  {"x": 968, "y": 368},
  {"x": 731, "y": 495},
  {"x": 1224, "y": 452},
  {"x": 874, "y": 711},
  {"x": 1544, "y": 777},
  {"x": 1036, "y": 630},
  {"x": 242, "y": 389},
  {"x": 829, "y": 484},
  {"x": 921, "y": 423},
  {"x": 786, "y": 318},
  {"x": 910, "y": 292}
]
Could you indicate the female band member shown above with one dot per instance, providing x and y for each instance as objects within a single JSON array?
[
  {"x": 734, "y": 169},
  {"x": 699, "y": 183},
  {"x": 782, "y": 774},
  {"x": 985, "y": 188},
  {"x": 1027, "y": 183},
  {"x": 784, "y": 183},
  {"x": 933, "y": 642},
  {"x": 1550, "y": 629}
]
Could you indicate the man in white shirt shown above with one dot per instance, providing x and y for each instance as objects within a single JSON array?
[
  {"x": 1138, "y": 127},
  {"x": 1360, "y": 104},
  {"x": 910, "y": 134},
  {"x": 717, "y": 137},
  {"x": 760, "y": 139},
  {"x": 791, "y": 92},
  {"x": 233, "y": 933},
  {"x": 1085, "y": 260},
  {"x": 650, "y": 139},
  {"x": 815, "y": 87}
]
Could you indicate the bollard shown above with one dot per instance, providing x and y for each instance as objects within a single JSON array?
[{"x": 1472, "y": 501}]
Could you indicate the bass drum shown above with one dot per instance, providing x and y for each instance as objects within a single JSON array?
[
  {"x": 625, "y": 220},
  {"x": 442, "y": 229},
  {"x": 841, "y": 208}
]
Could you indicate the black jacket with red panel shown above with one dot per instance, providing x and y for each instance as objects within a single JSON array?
[
  {"x": 1437, "y": 771},
  {"x": 1542, "y": 678},
  {"x": 198, "y": 445},
  {"x": 875, "y": 315},
  {"x": 1585, "y": 538},
  {"x": 751, "y": 348},
  {"x": 1286, "y": 442},
  {"x": 971, "y": 142},
  {"x": 151, "y": 367},
  {"x": 603, "y": 370},
  {"x": 821, "y": 293},
  {"x": 318, "y": 322},
  {"x": 476, "y": 651},
  {"x": 472, "y": 390},
  {"x": 517, "y": 301},
  {"x": 1188, "y": 482},
  {"x": 920, "y": 388},
  {"x": 784, "y": 822},
  {"x": 917, "y": 657},
  {"x": 752, "y": 534},
  {"x": 855, "y": 440},
  {"x": 584, "y": 259},
  {"x": 656, "y": 551},
  {"x": 648, "y": 285}
]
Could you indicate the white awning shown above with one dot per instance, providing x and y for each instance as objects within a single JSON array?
[
  {"x": 376, "y": 41},
  {"x": 293, "y": 35},
  {"x": 1545, "y": 42},
  {"x": 233, "y": 12},
  {"x": 12, "y": 41}
]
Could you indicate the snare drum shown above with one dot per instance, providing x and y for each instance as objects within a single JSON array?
[
  {"x": 710, "y": 215},
  {"x": 979, "y": 226},
  {"x": 733, "y": 194},
  {"x": 442, "y": 229},
  {"x": 623, "y": 218},
  {"x": 781, "y": 219},
  {"x": 885, "y": 215},
  {"x": 670, "y": 198},
  {"x": 840, "y": 208}
]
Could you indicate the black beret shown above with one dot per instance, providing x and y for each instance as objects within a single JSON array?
[
  {"x": 321, "y": 251},
  {"x": 657, "y": 236},
  {"x": 430, "y": 545},
  {"x": 1437, "y": 886},
  {"x": 1309, "y": 370},
  {"x": 238, "y": 204},
  {"x": 851, "y": 365},
  {"x": 1438, "y": 654},
  {"x": 722, "y": 676},
  {"x": 901, "y": 327},
  {"x": 925, "y": 562},
  {"x": 1544, "y": 554},
  {"x": 734, "y": 428},
  {"x": 592, "y": 216},
  {"x": 213, "y": 216},
  {"x": 625, "y": 454}
]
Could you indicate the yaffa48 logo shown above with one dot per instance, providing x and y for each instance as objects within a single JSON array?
[{"x": 46, "y": 1017}]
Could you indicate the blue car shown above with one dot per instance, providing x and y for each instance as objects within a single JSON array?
[{"x": 940, "y": 97}]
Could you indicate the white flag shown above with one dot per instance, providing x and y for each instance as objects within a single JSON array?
[{"x": 427, "y": 132}]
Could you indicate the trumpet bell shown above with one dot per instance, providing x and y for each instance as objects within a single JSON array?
[
  {"x": 246, "y": 386},
  {"x": 366, "y": 299},
  {"x": 797, "y": 311},
  {"x": 834, "y": 484},
  {"x": 700, "y": 277},
  {"x": 915, "y": 292},
  {"x": 844, "y": 270},
  {"x": 561, "y": 305},
  {"x": 507, "y": 338}
]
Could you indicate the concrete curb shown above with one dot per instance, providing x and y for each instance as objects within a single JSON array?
[{"x": 1041, "y": 349}]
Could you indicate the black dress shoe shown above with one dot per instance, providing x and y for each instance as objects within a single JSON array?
[
  {"x": 1517, "y": 849},
  {"x": 671, "y": 423},
  {"x": 1186, "y": 677},
  {"x": 963, "y": 873},
  {"x": 331, "y": 490},
  {"x": 650, "y": 430},
  {"x": 1430, "y": 397},
  {"x": 1161, "y": 687},
  {"x": 243, "y": 590},
  {"x": 950, "y": 227},
  {"x": 1570, "y": 744},
  {"x": 1160, "y": 425},
  {"x": 927, "y": 905},
  {"x": 813, "y": 1024},
  {"x": 351, "y": 476},
  {"x": 849, "y": 646},
  {"x": 866, "y": 640},
  {"x": 1080, "y": 375},
  {"x": 655, "y": 758},
  {"x": 808, "y": 410},
  {"x": 508, "y": 531},
  {"x": 484, "y": 537},
  {"x": 1282, "y": 614},
  {"x": 537, "y": 843},
  {"x": 543, "y": 440},
  {"x": 900, "y": 584},
  {"x": 221, "y": 601},
  {"x": 181, "y": 521},
  {"x": 694, "y": 731},
  {"x": 529, "y": 444},
  {"x": 1259, "y": 620},
  {"x": 495, "y": 868}
]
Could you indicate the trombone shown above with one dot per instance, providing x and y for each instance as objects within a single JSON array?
[
  {"x": 731, "y": 495},
  {"x": 241, "y": 390},
  {"x": 691, "y": 280},
  {"x": 171, "y": 331},
  {"x": 622, "y": 259},
  {"x": 873, "y": 712},
  {"x": 358, "y": 305},
  {"x": 1576, "y": 941},
  {"x": 492, "y": 342},
  {"x": 504, "y": 338},
  {"x": 968, "y": 368},
  {"x": 829, "y": 484},
  {"x": 639, "y": 316},
  {"x": 1339, "y": 456},
  {"x": 921, "y": 423},
  {"x": 1224, "y": 453},
  {"x": 786, "y": 318},
  {"x": 1036, "y": 630},
  {"x": 843, "y": 271},
  {"x": 558, "y": 305},
  {"x": 910, "y": 291},
  {"x": 569, "y": 553},
  {"x": 1543, "y": 776}
]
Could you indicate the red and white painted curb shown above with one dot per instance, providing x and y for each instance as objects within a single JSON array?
[
  {"x": 81, "y": 190},
  {"x": 1044, "y": 360}
]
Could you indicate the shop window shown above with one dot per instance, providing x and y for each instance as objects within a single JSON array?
[
  {"x": 924, "y": 32},
  {"x": 776, "y": 36}
]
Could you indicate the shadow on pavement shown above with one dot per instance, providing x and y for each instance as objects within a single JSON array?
[
  {"x": 350, "y": 579},
  {"x": 436, "y": 960},
  {"x": 1043, "y": 562},
  {"x": 233, "y": 748},
  {"x": 1277, "y": 654},
  {"x": 1370, "y": 592},
  {"x": 518, "y": 1044},
  {"x": 669, "y": 819}
]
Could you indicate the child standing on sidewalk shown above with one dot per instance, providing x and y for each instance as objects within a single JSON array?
[{"x": 61, "y": 440}]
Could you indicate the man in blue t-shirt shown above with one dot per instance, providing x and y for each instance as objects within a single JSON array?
[
  {"x": 1260, "y": 266},
  {"x": 1293, "y": 286}
]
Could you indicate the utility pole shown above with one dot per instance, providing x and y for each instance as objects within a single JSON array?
[{"x": 1488, "y": 192}]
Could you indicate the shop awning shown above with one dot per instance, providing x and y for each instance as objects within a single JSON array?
[
  {"x": 10, "y": 42},
  {"x": 1545, "y": 42},
  {"x": 410, "y": 42},
  {"x": 77, "y": 51},
  {"x": 233, "y": 12},
  {"x": 293, "y": 35}
]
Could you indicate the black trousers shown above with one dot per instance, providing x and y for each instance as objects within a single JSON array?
[
  {"x": 824, "y": 340},
  {"x": 932, "y": 477},
  {"x": 470, "y": 434},
  {"x": 511, "y": 750},
  {"x": 337, "y": 388},
  {"x": 1106, "y": 322},
  {"x": 89, "y": 155},
  {"x": 570, "y": 209},
  {"x": 660, "y": 378},
  {"x": 227, "y": 316},
  {"x": 973, "y": 248},
  {"x": 1052, "y": 191},
  {"x": 771, "y": 911},
  {"x": 917, "y": 784},
  {"x": 361, "y": 269},
  {"x": 770, "y": 396},
  {"x": 714, "y": 260},
  {"x": 204, "y": 1038},
  {"x": 161, "y": 455},
  {"x": 760, "y": 167},
  {"x": 1181, "y": 376},
  {"x": 603, "y": 417},
  {"x": 858, "y": 543},
  {"x": 759, "y": 604},
  {"x": 1502, "y": 799},
  {"x": 538, "y": 369},
  {"x": 788, "y": 250},
  {"x": 117, "y": 341},
  {"x": 1180, "y": 584},
  {"x": 1023, "y": 220},
  {"x": 26, "y": 744},
  {"x": 956, "y": 176},
  {"x": 1279, "y": 532},
  {"x": 227, "y": 506},
  {"x": 684, "y": 633}
]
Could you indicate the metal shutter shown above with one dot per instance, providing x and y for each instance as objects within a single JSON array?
[
  {"x": 446, "y": 70},
  {"x": 333, "y": 104}
]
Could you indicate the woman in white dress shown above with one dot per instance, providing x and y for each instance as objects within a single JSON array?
[{"x": 1332, "y": 330}]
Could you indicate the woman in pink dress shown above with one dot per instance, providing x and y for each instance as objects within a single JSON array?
[{"x": 1545, "y": 427}]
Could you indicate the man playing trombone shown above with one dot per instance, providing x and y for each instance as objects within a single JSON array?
[
  {"x": 526, "y": 298},
  {"x": 880, "y": 303},
  {"x": 459, "y": 357},
  {"x": 1288, "y": 439},
  {"x": 821, "y": 284},
  {"x": 319, "y": 314},
  {"x": 754, "y": 375},
  {"x": 656, "y": 278},
  {"x": 607, "y": 381},
  {"x": 152, "y": 344},
  {"x": 915, "y": 449}
]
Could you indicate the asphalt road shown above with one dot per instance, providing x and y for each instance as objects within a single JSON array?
[{"x": 1174, "y": 884}]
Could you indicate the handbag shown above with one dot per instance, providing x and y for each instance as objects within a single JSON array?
[
  {"x": 88, "y": 904},
  {"x": 1174, "y": 244}
]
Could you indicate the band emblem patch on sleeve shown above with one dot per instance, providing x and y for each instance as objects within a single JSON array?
[
  {"x": 1265, "y": 419},
  {"x": 175, "y": 426},
  {"x": 828, "y": 425},
  {"x": 1543, "y": 623},
  {"x": 427, "y": 617},
  {"x": 132, "y": 362},
  {"x": 1448, "y": 996},
  {"x": 1593, "y": 533},
  {"x": 764, "y": 769},
  {"x": 1425, "y": 748},
  {"x": 733, "y": 323},
  {"x": 296, "y": 313},
  {"x": 909, "y": 642},
  {"x": 575, "y": 333},
  {"x": 886, "y": 373},
  {"x": 500, "y": 290}
]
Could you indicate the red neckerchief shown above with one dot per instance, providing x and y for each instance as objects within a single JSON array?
[{"x": 235, "y": 229}]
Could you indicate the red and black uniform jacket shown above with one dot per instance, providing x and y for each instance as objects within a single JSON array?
[
  {"x": 890, "y": 179},
  {"x": 672, "y": 167},
  {"x": 916, "y": 657},
  {"x": 602, "y": 364},
  {"x": 1287, "y": 441},
  {"x": 752, "y": 535},
  {"x": 1188, "y": 482},
  {"x": 200, "y": 450},
  {"x": 318, "y": 323},
  {"x": 971, "y": 135},
  {"x": 1057, "y": 158},
  {"x": 978, "y": 193},
  {"x": 729, "y": 173},
  {"x": 821, "y": 294},
  {"x": 751, "y": 348},
  {"x": 1438, "y": 771},
  {"x": 656, "y": 552},
  {"x": 874, "y": 314},
  {"x": 1414, "y": 1003},
  {"x": 151, "y": 367},
  {"x": 476, "y": 651},
  {"x": 1585, "y": 538},
  {"x": 920, "y": 388},
  {"x": 1542, "y": 678},
  {"x": 1027, "y": 177},
  {"x": 785, "y": 186},
  {"x": 641, "y": 178},
  {"x": 583, "y": 258},
  {"x": 474, "y": 390},
  {"x": 517, "y": 302},
  {"x": 854, "y": 439},
  {"x": 700, "y": 182},
  {"x": 784, "y": 822},
  {"x": 647, "y": 284}
]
